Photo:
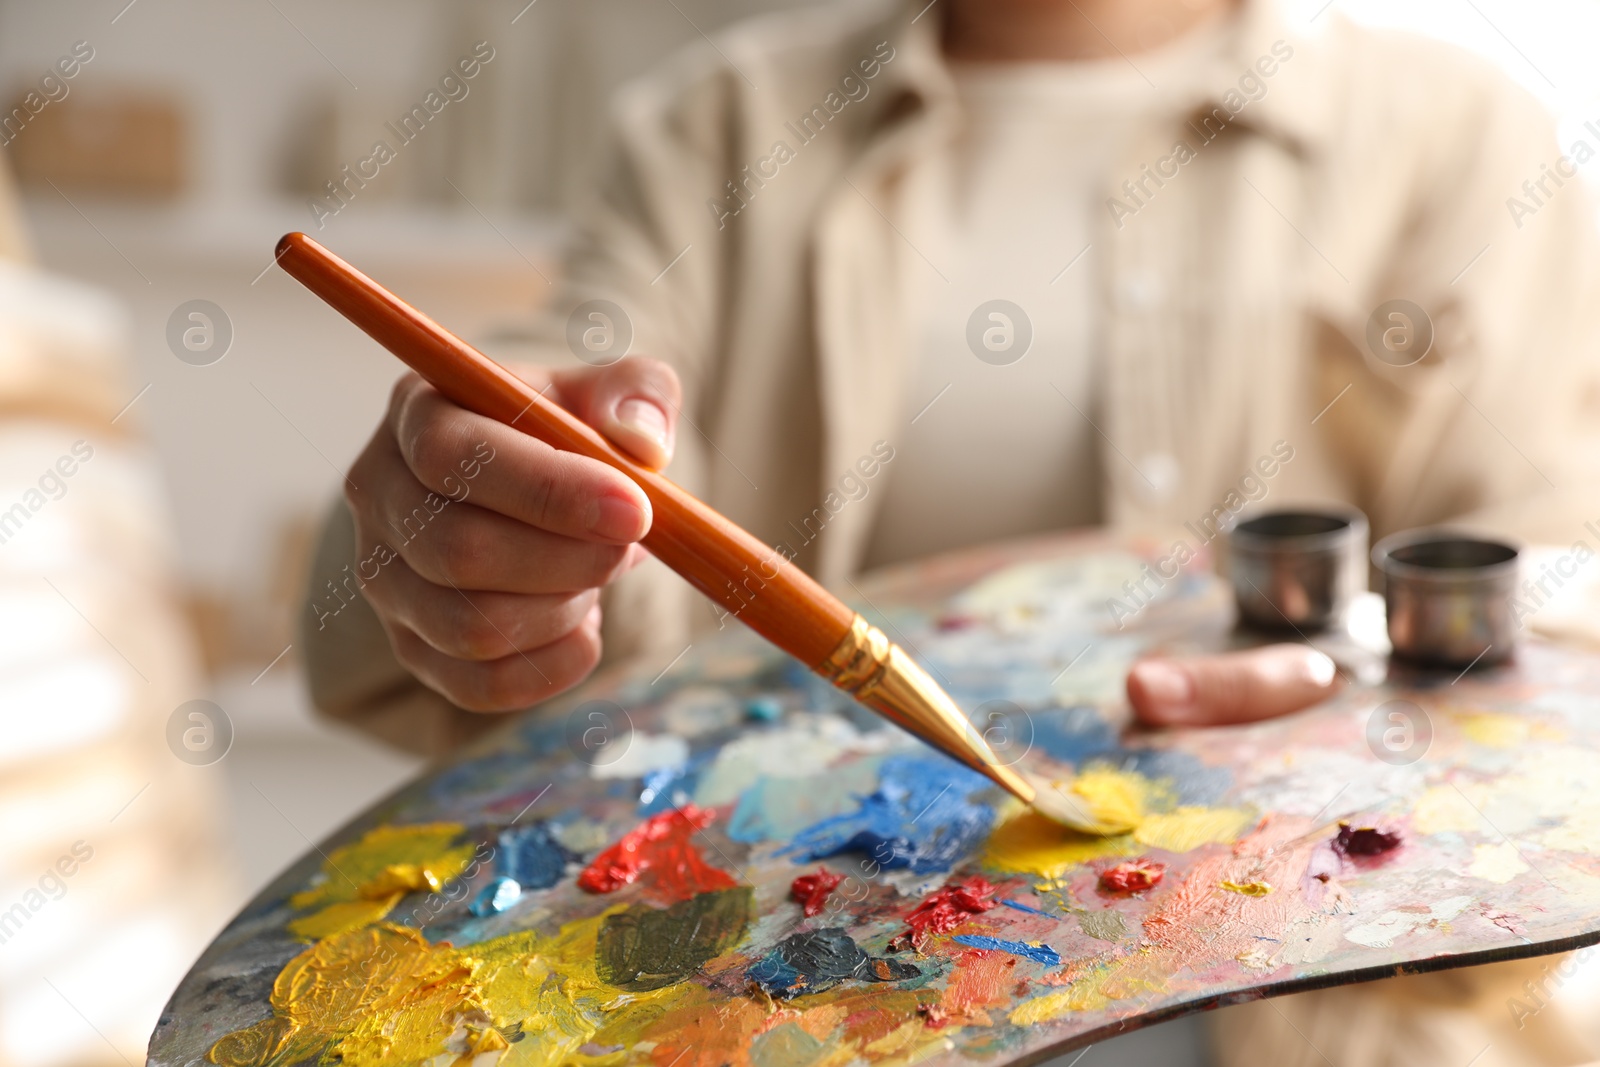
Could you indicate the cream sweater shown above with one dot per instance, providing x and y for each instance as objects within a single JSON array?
[{"x": 750, "y": 221}]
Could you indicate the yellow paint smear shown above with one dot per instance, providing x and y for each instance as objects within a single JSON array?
[
  {"x": 1093, "y": 990},
  {"x": 486, "y": 1040},
  {"x": 1494, "y": 729},
  {"x": 909, "y": 1036},
  {"x": 1032, "y": 844},
  {"x": 1029, "y": 843},
  {"x": 364, "y": 880},
  {"x": 1188, "y": 828},
  {"x": 378, "y": 995},
  {"x": 1248, "y": 889},
  {"x": 1443, "y": 809},
  {"x": 343, "y": 917},
  {"x": 383, "y": 996},
  {"x": 402, "y": 878},
  {"x": 1579, "y": 833}
]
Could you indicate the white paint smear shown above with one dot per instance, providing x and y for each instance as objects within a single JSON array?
[
  {"x": 1382, "y": 931},
  {"x": 645, "y": 753}
]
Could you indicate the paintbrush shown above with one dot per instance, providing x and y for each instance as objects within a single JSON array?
[{"x": 754, "y": 582}]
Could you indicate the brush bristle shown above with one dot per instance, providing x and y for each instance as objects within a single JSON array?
[{"x": 1057, "y": 802}]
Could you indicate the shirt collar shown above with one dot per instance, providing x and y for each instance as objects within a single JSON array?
[{"x": 1290, "y": 109}]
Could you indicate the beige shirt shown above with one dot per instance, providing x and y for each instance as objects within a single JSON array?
[
  {"x": 1006, "y": 332},
  {"x": 1245, "y": 247}
]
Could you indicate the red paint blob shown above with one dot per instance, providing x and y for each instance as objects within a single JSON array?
[
  {"x": 943, "y": 910},
  {"x": 811, "y": 891},
  {"x": 1135, "y": 876},
  {"x": 659, "y": 851},
  {"x": 1364, "y": 840}
]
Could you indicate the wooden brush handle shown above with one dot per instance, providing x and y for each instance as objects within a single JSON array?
[{"x": 750, "y": 579}]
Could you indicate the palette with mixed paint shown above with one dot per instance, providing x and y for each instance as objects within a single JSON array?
[{"x": 727, "y": 864}]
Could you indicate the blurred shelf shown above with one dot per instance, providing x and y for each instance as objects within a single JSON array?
[{"x": 241, "y": 236}]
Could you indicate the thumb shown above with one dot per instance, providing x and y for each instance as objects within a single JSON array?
[
  {"x": 634, "y": 402},
  {"x": 1233, "y": 687}
]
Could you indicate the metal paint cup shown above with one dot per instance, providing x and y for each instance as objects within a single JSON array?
[
  {"x": 1448, "y": 596},
  {"x": 1297, "y": 569}
]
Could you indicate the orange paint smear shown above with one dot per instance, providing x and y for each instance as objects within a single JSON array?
[
  {"x": 850, "y": 1024},
  {"x": 696, "y": 1034},
  {"x": 982, "y": 979},
  {"x": 945, "y": 909},
  {"x": 660, "y": 855},
  {"x": 1200, "y": 922}
]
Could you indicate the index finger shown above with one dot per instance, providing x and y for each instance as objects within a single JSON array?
[{"x": 460, "y": 453}]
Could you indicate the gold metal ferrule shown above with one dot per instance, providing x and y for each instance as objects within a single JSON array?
[{"x": 881, "y": 676}]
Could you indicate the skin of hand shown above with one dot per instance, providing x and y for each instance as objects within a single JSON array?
[
  {"x": 1232, "y": 687},
  {"x": 998, "y": 31},
  {"x": 495, "y": 604}
]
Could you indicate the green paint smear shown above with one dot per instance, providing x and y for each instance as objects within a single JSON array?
[
  {"x": 1103, "y": 925},
  {"x": 642, "y": 948}
]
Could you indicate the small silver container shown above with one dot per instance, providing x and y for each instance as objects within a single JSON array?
[
  {"x": 1297, "y": 569},
  {"x": 1448, "y": 595}
]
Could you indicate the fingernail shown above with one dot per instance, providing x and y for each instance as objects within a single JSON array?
[
  {"x": 644, "y": 419},
  {"x": 1320, "y": 669},
  {"x": 615, "y": 518},
  {"x": 1166, "y": 685}
]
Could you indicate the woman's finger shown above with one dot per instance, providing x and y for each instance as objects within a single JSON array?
[
  {"x": 515, "y": 681},
  {"x": 1231, "y": 687}
]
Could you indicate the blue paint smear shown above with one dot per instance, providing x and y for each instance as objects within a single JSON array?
[
  {"x": 532, "y": 857},
  {"x": 815, "y": 960},
  {"x": 659, "y": 790},
  {"x": 1023, "y": 907},
  {"x": 496, "y": 897},
  {"x": 1192, "y": 780},
  {"x": 763, "y": 709},
  {"x": 919, "y": 818},
  {"x": 660, "y": 786},
  {"x": 749, "y": 821},
  {"x": 772, "y": 973},
  {"x": 485, "y": 778},
  {"x": 1072, "y": 735},
  {"x": 776, "y": 809},
  {"x": 1038, "y": 953}
]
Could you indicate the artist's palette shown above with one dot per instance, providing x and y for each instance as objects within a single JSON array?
[{"x": 613, "y": 880}]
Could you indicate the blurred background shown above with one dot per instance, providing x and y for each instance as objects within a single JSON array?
[{"x": 160, "y": 173}]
